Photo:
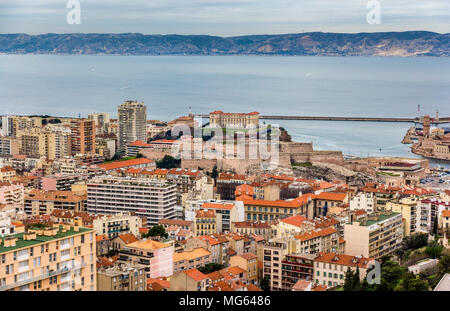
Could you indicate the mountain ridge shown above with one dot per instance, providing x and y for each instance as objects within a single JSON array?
[{"x": 406, "y": 44}]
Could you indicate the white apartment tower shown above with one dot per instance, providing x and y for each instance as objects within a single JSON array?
[
  {"x": 132, "y": 123},
  {"x": 152, "y": 198}
]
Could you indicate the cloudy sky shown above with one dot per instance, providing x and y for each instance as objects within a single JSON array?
[{"x": 222, "y": 17}]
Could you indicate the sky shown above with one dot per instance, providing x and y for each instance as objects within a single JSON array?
[{"x": 222, "y": 17}]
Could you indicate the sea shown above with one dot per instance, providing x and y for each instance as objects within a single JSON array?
[{"x": 172, "y": 86}]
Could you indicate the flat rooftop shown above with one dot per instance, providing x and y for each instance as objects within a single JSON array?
[
  {"x": 21, "y": 243},
  {"x": 380, "y": 219}
]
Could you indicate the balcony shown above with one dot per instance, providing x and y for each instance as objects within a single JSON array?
[{"x": 41, "y": 277}]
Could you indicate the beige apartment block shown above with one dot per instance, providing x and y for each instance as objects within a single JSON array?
[
  {"x": 122, "y": 277},
  {"x": 374, "y": 236},
  {"x": 42, "y": 202},
  {"x": 330, "y": 268},
  {"x": 57, "y": 258},
  {"x": 117, "y": 224}
]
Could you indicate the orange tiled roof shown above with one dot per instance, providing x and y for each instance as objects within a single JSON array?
[
  {"x": 217, "y": 205},
  {"x": 195, "y": 274},
  {"x": 331, "y": 196},
  {"x": 294, "y": 220},
  {"x": 248, "y": 256},
  {"x": 446, "y": 213},
  {"x": 128, "y": 238},
  {"x": 100, "y": 238},
  {"x": 314, "y": 234},
  {"x": 345, "y": 260},
  {"x": 124, "y": 164}
]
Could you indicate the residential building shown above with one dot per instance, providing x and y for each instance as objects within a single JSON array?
[
  {"x": 61, "y": 182},
  {"x": 57, "y": 258},
  {"x": 82, "y": 136},
  {"x": 365, "y": 201},
  {"x": 248, "y": 262},
  {"x": 265, "y": 210},
  {"x": 127, "y": 164},
  {"x": 132, "y": 123},
  {"x": 376, "y": 235},
  {"x": 9, "y": 145},
  {"x": 190, "y": 259},
  {"x": 262, "y": 228},
  {"x": 150, "y": 198},
  {"x": 330, "y": 268},
  {"x": 226, "y": 212},
  {"x": 191, "y": 280},
  {"x": 114, "y": 225},
  {"x": 157, "y": 257},
  {"x": 42, "y": 202},
  {"x": 205, "y": 222},
  {"x": 122, "y": 277},
  {"x": 12, "y": 194},
  {"x": 217, "y": 244},
  {"x": 296, "y": 267}
]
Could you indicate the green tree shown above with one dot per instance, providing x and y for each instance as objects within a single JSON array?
[
  {"x": 156, "y": 231},
  {"x": 214, "y": 172},
  {"x": 444, "y": 264},
  {"x": 349, "y": 280},
  {"x": 168, "y": 162},
  {"x": 211, "y": 267},
  {"x": 434, "y": 250}
]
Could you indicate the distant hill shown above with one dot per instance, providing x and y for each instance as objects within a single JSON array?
[{"x": 410, "y": 43}]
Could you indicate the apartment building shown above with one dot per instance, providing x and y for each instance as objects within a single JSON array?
[
  {"x": 157, "y": 257},
  {"x": 12, "y": 194},
  {"x": 101, "y": 121},
  {"x": 61, "y": 182},
  {"x": 365, "y": 201},
  {"x": 330, "y": 268},
  {"x": 217, "y": 244},
  {"x": 408, "y": 208},
  {"x": 190, "y": 259},
  {"x": 138, "y": 163},
  {"x": 205, "y": 222},
  {"x": 9, "y": 145},
  {"x": 262, "y": 228},
  {"x": 296, "y": 267},
  {"x": 122, "y": 277},
  {"x": 374, "y": 236},
  {"x": 226, "y": 212},
  {"x": 315, "y": 241},
  {"x": 7, "y": 173},
  {"x": 445, "y": 221},
  {"x": 82, "y": 136},
  {"x": 428, "y": 211},
  {"x": 132, "y": 123},
  {"x": 150, "y": 198},
  {"x": 52, "y": 143},
  {"x": 326, "y": 200},
  {"x": 248, "y": 262},
  {"x": 272, "y": 265},
  {"x": 265, "y": 210},
  {"x": 6, "y": 227},
  {"x": 114, "y": 225},
  {"x": 41, "y": 202},
  {"x": 183, "y": 224},
  {"x": 191, "y": 280},
  {"x": 57, "y": 258}
]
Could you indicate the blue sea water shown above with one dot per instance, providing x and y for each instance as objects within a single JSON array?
[{"x": 172, "y": 86}]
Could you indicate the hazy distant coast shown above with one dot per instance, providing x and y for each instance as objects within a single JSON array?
[{"x": 403, "y": 44}]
